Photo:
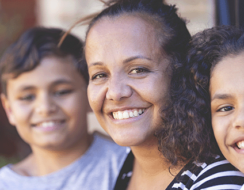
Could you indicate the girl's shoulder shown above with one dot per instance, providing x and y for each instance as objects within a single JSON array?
[{"x": 217, "y": 173}]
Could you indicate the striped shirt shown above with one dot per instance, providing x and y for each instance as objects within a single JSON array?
[{"x": 214, "y": 175}]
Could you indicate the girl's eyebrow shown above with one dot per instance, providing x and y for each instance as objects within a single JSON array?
[{"x": 221, "y": 96}]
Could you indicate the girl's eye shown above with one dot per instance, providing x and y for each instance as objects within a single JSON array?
[
  {"x": 27, "y": 98},
  {"x": 62, "y": 92},
  {"x": 139, "y": 70},
  {"x": 98, "y": 76},
  {"x": 225, "y": 109}
]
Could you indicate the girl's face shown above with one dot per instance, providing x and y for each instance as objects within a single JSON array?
[
  {"x": 227, "y": 107},
  {"x": 128, "y": 78}
]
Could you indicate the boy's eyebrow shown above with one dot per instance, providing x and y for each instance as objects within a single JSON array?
[
  {"x": 61, "y": 81},
  {"x": 221, "y": 96},
  {"x": 30, "y": 87},
  {"x": 25, "y": 87}
]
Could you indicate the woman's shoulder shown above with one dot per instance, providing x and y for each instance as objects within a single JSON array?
[{"x": 217, "y": 173}]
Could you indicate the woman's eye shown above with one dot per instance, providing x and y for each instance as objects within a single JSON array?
[
  {"x": 98, "y": 76},
  {"x": 27, "y": 98},
  {"x": 225, "y": 109},
  {"x": 62, "y": 92},
  {"x": 138, "y": 70}
]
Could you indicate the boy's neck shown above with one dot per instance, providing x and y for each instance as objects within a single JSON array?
[{"x": 42, "y": 161}]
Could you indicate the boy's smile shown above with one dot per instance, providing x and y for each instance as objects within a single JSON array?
[
  {"x": 48, "y": 105},
  {"x": 227, "y": 107}
]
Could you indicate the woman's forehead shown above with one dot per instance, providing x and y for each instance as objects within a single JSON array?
[{"x": 126, "y": 31}]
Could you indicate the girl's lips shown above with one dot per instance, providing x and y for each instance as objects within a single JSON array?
[{"x": 238, "y": 145}]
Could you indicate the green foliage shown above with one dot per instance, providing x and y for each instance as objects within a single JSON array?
[{"x": 4, "y": 161}]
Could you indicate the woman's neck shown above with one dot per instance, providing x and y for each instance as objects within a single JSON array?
[
  {"x": 43, "y": 161},
  {"x": 151, "y": 169}
]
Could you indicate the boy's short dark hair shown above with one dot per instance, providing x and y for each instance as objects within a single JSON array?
[{"x": 35, "y": 44}]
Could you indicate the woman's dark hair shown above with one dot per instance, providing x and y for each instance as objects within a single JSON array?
[
  {"x": 188, "y": 117},
  {"x": 35, "y": 44},
  {"x": 173, "y": 37}
]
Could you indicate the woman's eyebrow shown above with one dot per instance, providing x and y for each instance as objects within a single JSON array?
[
  {"x": 221, "y": 96},
  {"x": 134, "y": 58},
  {"x": 95, "y": 64}
]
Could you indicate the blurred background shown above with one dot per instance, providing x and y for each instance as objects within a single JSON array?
[{"x": 18, "y": 15}]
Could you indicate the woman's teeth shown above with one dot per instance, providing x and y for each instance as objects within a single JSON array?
[
  {"x": 240, "y": 144},
  {"x": 127, "y": 113}
]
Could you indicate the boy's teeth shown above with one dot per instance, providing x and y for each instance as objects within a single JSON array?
[
  {"x": 47, "y": 124},
  {"x": 127, "y": 114},
  {"x": 240, "y": 144}
]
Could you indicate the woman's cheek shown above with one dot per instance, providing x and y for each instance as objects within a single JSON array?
[{"x": 96, "y": 96}]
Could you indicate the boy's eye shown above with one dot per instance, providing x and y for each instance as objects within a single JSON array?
[
  {"x": 27, "y": 98},
  {"x": 98, "y": 76},
  {"x": 62, "y": 92},
  {"x": 225, "y": 109},
  {"x": 139, "y": 70}
]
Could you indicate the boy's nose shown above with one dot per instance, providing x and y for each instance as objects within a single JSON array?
[
  {"x": 118, "y": 89},
  {"x": 45, "y": 105}
]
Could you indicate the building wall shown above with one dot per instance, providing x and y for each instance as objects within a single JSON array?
[{"x": 15, "y": 17}]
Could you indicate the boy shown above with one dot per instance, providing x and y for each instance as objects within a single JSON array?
[{"x": 44, "y": 96}]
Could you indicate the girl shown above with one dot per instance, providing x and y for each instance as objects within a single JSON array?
[{"x": 214, "y": 78}]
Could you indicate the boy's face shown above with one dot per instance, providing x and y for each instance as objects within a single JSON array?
[
  {"x": 227, "y": 107},
  {"x": 48, "y": 105}
]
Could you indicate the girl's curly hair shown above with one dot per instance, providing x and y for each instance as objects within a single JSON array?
[{"x": 188, "y": 130}]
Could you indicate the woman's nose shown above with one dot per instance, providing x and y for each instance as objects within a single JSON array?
[
  {"x": 45, "y": 105},
  {"x": 118, "y": 88}
]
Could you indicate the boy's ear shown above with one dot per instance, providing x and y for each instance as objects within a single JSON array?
[
  {"x": 88, "y": 108},
  {"x": 7, "y": 108}
]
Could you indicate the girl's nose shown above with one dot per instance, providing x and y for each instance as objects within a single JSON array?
[{"x": 239, "y": 119}]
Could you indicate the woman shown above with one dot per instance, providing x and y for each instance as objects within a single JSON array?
[{"x": 133, "y": 48}]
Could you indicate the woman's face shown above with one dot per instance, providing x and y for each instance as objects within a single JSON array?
[
  {"x": 227, "y": 107},
  {"x": 128, "y": 78}
]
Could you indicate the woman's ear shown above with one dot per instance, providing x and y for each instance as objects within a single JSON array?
[{"x": 7, "y": 108}]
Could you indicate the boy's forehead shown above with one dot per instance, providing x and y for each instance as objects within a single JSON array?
[{"x": 51, "y": 71}]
